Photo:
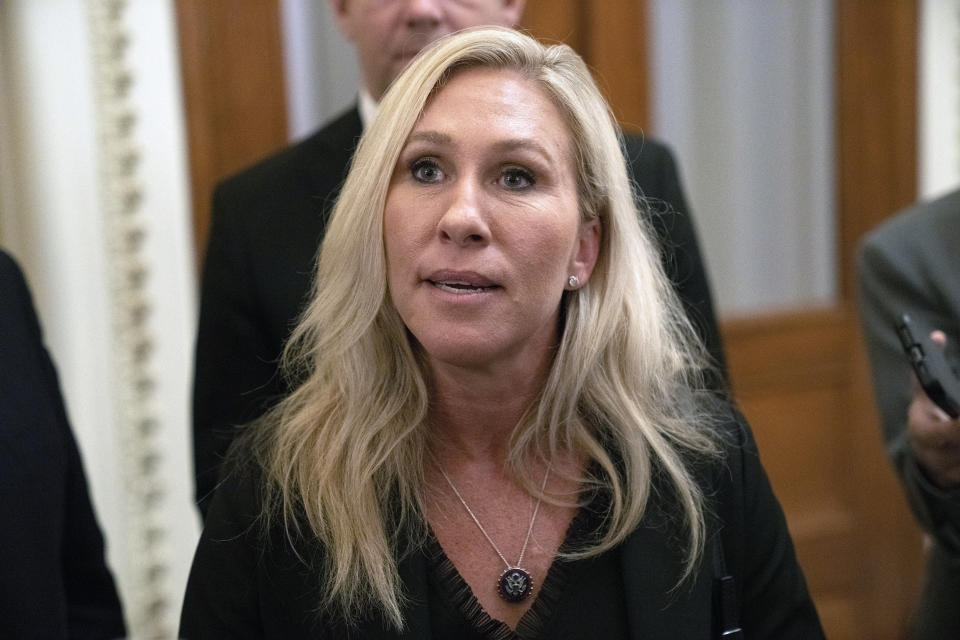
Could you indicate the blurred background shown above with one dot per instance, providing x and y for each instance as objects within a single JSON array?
[{"x": 798, "y": 126}]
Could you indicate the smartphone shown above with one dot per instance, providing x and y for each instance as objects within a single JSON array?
[{"x": 938, "y": 378}]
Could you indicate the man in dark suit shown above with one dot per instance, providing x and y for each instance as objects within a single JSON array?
[
  {"x": 54, "y": 582},
  {"x": 268, "y": 222},
  {"x": 911, "y": 264}
]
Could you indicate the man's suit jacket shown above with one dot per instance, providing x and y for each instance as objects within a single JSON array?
[
  {"x": 245, "y": 583},
  {"x": 268, "y": 222},
  {"x": 54, "y": 582},
  {"x": 911, "y": 264}
]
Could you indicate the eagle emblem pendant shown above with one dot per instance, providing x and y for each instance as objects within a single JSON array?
[{"x": 515, "y": 584}]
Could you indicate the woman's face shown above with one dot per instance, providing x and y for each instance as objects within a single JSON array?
[{"x": 481, "y": 224}]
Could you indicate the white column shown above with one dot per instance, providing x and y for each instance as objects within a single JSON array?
[{"x": 939, "y": 103}]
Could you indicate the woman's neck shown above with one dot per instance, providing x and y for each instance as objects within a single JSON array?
[{"x": 475, "y": 413}]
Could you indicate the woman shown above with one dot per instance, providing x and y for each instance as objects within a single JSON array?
[{"x": 499, "y": 430}]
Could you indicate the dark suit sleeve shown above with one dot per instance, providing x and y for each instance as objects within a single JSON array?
[
  {"x": 657, "y": 179},
  {"x": 896, "y": 275},
  {"x": 774, "y": 600},
  {"x": 54, "y": 581},
  {"x": 235, "y": 378}
]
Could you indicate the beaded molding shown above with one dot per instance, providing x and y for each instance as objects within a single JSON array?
[{"x": 147, "y": 602}]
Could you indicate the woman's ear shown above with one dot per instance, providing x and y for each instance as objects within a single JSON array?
[{"x": 586, "y": 251}]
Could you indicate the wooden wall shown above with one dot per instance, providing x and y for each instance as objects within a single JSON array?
[
  {"x": 800, "y": 375},
  {"x": 801, "y": 379},
  {"x": 608, "y": 36},
  {"x": 876, "y": 117},
  {"x": 234, "y": 93}
]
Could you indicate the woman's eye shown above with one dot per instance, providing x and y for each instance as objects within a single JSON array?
[
  {"x": 517, "y": 179},
  {"x": 426, "y": 171}
]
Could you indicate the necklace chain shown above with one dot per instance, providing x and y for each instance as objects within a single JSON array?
[{"x": 476, "y": 521}]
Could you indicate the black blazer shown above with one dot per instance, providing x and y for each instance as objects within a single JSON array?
[
  {"x": 247, "y": 585},
  {"x": 268, "y": 222},
  {"x": 54, "y": 582}
]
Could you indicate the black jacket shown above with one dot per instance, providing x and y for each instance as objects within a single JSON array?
[
  {"x": 54, "y": 582},
  {"x": 246, "y": 585},
  {"x": 268, "y": 222}
]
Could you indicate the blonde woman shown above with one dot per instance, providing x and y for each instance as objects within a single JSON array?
[{"x": 499, "y": 429}]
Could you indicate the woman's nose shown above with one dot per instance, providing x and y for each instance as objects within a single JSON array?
[{"x": 464, "y": 222}]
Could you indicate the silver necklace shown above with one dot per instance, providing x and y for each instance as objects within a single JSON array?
[{"x": 515, "y": 583}]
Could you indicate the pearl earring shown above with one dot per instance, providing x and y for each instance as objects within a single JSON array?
[{"x": 574, "y": 282}]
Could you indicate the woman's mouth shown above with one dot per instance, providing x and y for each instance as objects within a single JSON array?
[
  {"x": 459, "y": 287},
  {"x": 461, "y": 282}
]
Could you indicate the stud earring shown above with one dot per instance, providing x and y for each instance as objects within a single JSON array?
[{"x": 574, "y": 282}]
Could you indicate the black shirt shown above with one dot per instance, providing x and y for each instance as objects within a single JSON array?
[
  {"x": 580, "y": 598},
  {"x": 248, "y": 582}
]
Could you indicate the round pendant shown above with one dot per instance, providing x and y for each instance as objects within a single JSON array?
[{"x": 515, "y": 584}]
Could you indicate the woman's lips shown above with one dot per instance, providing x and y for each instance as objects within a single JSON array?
[
  {"x": 461, "y": 287},
  {"x": 461, "y": 282}
]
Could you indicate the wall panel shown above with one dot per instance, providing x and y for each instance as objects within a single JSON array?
[{"x": 231, "y": 57}]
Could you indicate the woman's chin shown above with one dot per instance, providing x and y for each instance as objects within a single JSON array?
[{"x": 461, "y": 357}]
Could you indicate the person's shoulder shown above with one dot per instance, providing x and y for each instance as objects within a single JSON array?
[
  {"x": 645, "y": 151},
  {"x": 913, "y": 246},
  {"x": 9, "y": 270},
  {"x": 734, "y": 440},
  {"x": 936, "y": 219},
  {"x": 331, "y": 145},
  {"x": 247, "y": 506},
  {"x": 238, "y": 503},
  {"x": 13, "y": 285},
  {"x": 654, "y": 171}
]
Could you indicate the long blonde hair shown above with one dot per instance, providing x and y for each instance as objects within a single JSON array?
[{"x": 343, "y": 454}]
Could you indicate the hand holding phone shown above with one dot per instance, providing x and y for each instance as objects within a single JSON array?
[{"x": 939, "y": 380}]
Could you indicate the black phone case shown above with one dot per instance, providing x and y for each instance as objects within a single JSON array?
[{"x": 938, "y": 379}]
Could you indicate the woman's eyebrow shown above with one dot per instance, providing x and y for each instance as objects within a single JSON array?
[
  {"x": 528, "y": 144},
  {"x": 510, "y": 144},
  {"x": 434, "y": 137}
]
